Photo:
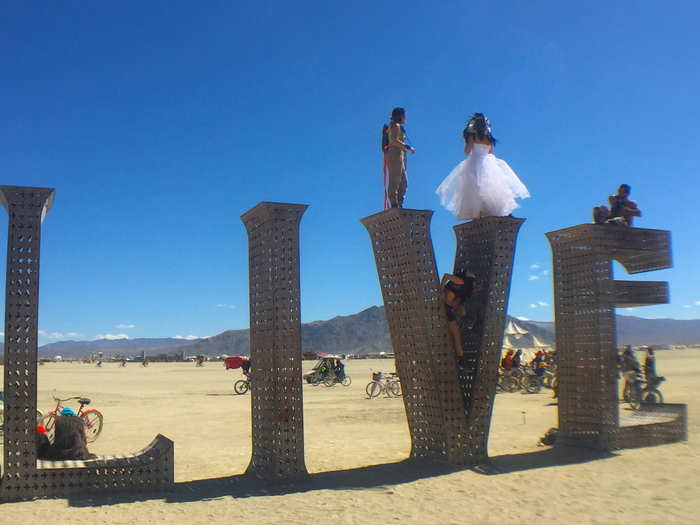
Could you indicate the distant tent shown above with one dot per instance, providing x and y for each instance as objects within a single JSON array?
[
  {"x": 517, "y": 337},
  {"x": 515, "y": 329},
  {"x": 536, "y": 343},
  {"x": 508, "y": 342}
]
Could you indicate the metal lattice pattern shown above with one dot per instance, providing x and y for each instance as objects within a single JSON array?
[
  {"x": 24, "y": 477},
  {"x": 439, "y": 424},
  {"x": 275, "y": 340},
  {"x": 585, "y": 297},
  {"x": 486, "y": 248}
]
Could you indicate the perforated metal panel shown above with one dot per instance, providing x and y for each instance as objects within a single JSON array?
[
  {"x": 23, "y": 477},
  {"x": 439, "y": 392},
  {"x": 275, "y": 340},
  {"x": 585, "y": 300},
  {"x": 485, "y": 247}
]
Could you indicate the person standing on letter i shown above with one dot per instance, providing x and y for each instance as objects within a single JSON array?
[{"x": 394, "y": 147}]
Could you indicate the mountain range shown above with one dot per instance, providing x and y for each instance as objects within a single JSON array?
[{"x": 361, "y": 333}]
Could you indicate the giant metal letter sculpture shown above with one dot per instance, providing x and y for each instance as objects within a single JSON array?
[
  {"x": 275, "y": 340},
  {"x": 23, "y": 476},
  {"x": 443, "y": 421},
  {"x": 486, "y": 248},
  {"x": 586, "y": 296}
]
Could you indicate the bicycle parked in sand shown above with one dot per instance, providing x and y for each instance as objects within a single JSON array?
[
  {"x": 388, "y": 384},
  {"x": 92, "y": 418}
]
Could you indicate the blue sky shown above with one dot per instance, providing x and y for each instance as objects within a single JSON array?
[{"x": 160, "y": 123}]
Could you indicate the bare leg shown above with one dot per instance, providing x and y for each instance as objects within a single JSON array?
[{"x": 456, "y": 333}]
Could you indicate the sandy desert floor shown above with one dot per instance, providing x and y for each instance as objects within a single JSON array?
[{"x": 355, "y": 448}]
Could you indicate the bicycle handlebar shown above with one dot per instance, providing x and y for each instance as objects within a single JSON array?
[
  {"x": 67, "y": 399},
  {"x": 53, "y": 395}
]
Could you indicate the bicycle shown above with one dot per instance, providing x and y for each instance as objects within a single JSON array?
[
  {"x": 39, "y": 414},
  {"x": 639, "y": 392},
  {"x": 92, "y": 418},
  {"x": 507, "y": 382},
  {"x": 532, "y": 383},
  {"x": 388, "y": 384},
  {"x": 332, "y": 380},
  {"x": 242, "y": 386},
  {"x": 652, "y": 395}
]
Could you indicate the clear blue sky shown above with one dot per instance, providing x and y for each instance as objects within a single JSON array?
[{"x": 160, "y": 123}]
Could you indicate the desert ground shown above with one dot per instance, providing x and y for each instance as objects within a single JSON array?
[{"x": 355, "y": 449}]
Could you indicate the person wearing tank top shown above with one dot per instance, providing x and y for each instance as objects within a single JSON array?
[{"x": 396, "y": 158}]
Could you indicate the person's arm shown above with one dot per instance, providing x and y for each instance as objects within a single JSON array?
[
  {"x": 394, "y": 132},
  {"x": 449, "y": 277},
  {"x": 632, "y": 209}
]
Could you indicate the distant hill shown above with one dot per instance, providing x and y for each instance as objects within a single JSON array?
[
  {"x": 360, "y": 333},
  {"x": 639, "y": 331},
  {"x": 75, "y": 349}
]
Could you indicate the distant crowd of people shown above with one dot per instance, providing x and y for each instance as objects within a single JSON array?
[{"x": 513, "y": 360}]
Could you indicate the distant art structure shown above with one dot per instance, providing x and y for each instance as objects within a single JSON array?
[
  {"x": 448, "y": 405},
  {"x": 23, "y": 476},
  {"x": 585, "y": 297},
  {"x": 275, "y": 340}
]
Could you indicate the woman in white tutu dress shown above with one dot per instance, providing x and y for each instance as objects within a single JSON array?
[{"x": 482, "y": 185}]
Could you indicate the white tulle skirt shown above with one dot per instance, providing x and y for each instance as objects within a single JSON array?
[{"x": 482, "y": 185}]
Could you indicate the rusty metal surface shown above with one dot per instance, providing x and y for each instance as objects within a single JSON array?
[
  {"x": 22, "y": 476},
  {"x": 585, "y": 297},
  {"x": 275, "y": 340},
  {"x": 448, "y": 402}
]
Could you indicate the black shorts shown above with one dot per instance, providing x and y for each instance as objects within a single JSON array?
[{"x": 450, "y": 313}]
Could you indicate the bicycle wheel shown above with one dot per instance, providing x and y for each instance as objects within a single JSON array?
[
  {"x": 49, "y": 423},
  {"x": 346, "y": 381},
  {"x": 373, "y": 389},
  {"x": 532, "y": 385},
  {"x": 93, "y": 420},
  {"x": 241, "y": 386},
  {"x": 635, "y": 399},
  {"x": 653, "y": 397},
  {"x": 395, "y": 388},
  {"x": 510, "y": 384}
]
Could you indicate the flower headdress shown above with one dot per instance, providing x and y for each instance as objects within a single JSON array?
[{"x": 471, "y": 125}]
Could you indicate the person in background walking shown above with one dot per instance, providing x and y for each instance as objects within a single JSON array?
[{"x": 650, "y": 365}]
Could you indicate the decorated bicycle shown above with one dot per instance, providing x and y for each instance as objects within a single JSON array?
[{"x": 92, "y": 417}]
